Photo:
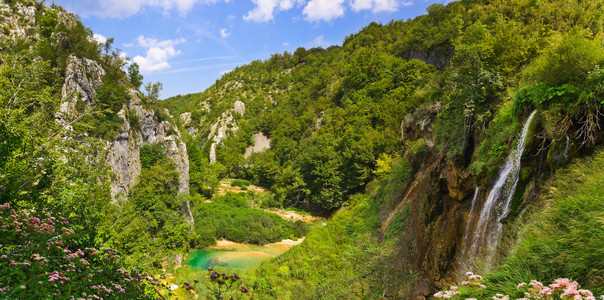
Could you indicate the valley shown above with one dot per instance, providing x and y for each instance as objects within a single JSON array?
[{"x": 457, "y": 154}]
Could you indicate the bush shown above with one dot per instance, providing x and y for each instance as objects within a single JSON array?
[
  {"x": 151, "y": 154},
  {"x": 41, "y": 257},
  {"x": 240, "y": 183},
  {"x": 230, "y": 218},
  {"x": 567, "y": 62}
]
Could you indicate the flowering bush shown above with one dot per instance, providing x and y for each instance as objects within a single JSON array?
[
  {"x": 40, "y": 257},
  {"x": 220, "y": 285},
  {"x": 562, "y": 288}
]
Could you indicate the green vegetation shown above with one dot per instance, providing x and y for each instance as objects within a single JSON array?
[
  {"x": 566, "y": 237},
  {"x": 230, "y": 217},
  {"x": 350, "y": 127},
  {"x": 150, "y": 227}
]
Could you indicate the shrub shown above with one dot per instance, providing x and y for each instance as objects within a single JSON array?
[
  {"x": 41, "y": 257},
  {"x": 567, "y": 62},
  {"x": 151, "y": 154},
  {"x": 240, "y": 183}
]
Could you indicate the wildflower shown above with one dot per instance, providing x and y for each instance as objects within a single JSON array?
[
  {"x": 521, "y": 285},
  {"x": 475, "y": 277},
  {"x": 23, "y": 287},
  {"x": 244, "y": 289}
]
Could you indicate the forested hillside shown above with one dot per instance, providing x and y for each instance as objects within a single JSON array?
[
  {"x": 466, "y": 139},
  {"x": 416, "y": 116}
]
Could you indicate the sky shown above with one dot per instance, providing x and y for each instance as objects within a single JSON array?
[{"x": 188, "y": 44}]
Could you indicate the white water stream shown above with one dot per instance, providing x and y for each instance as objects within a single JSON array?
[{"x": 497, "y": 205}]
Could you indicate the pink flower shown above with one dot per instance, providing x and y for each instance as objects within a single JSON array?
[
  {"x": 475, "y": 277},
  {"x": 521, "y": 285}
]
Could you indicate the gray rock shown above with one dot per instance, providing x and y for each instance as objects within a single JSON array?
[{"x": 261, "y": 144}]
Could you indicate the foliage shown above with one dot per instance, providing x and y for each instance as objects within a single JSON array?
[
  {"x": 240, "y": 183},
  {"x": 151, "y": 155},
  {"x": 219, "y": 286},
  {"x": 569, "y": 61},
  {"x": 222, "y": 218},
  {"x": 150, "y": 226},
  {"x": 134, "y": 75},
  {"x": 561, "y": 288},
  {"x": 41, "y": 257},
  {"x": 203, "y": 177},
  {"x": 152, "y": 91},
  {"x": 565, "y": 238}
]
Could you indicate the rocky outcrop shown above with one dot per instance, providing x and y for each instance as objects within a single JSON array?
[
  {"x": 83, "y": 77},
  {"x": 261, "y": 144},
  {"x": 125, "y": 149},
  {"x": 437, "y": 56},
  {"x": 223, "y": 125},
  {"x": 18, "y": 22}
]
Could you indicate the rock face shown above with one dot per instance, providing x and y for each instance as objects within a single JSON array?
[
  {"x": 220, "y": 129},
  {"x": 438, "y": 57},
  {"x": 124, "y": 151},
  {"x": 83, "y": 77},
  {"x": 261, "y": 143}
]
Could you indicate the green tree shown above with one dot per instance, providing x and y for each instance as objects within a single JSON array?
[{"x": 134, "y": 75}]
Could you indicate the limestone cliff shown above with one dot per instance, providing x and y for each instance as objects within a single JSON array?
[{"x": 83, "y": 77}]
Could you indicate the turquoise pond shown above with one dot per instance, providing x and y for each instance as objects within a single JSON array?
[{"x": 236, "y": 257}]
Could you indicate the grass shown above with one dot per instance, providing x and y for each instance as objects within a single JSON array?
[{"x": 564, "y": 239}]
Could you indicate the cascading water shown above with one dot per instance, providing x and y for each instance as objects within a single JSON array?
[
  {"x": 469, "y": 225},
  {"x": 497, "y": 205}
]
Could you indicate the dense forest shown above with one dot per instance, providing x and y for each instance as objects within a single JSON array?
[{"x": 401, "y": 137}]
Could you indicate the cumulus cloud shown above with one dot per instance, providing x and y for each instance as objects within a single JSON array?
[
  {"x": 126, "y": 8},
  {"x": 99, "y": 38},
  {"x": 323, "y": 10},
  {"x": 224, "y": 33},
  {"x": 378, "y": 5},
  {"x": 158, "y": 54},
  {"x": 264, "y": 10}
]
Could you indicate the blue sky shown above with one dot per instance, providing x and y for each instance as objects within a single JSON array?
[{"x": 188, "y": 44}]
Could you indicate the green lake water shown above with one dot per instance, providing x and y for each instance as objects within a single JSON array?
[{"x": 237, "y": 258}]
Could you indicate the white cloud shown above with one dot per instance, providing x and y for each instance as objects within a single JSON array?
[
  {"x": 158, "y": 54},
  {"x": 224, "y": 72},
  {"x": 263, "y": 12},
  {"x": 224, "y": 33},
  {"x": 126, "y": 8},
  {"x": 378, "y": 5},
  {"x": 99, "y": 38},
  {"x": 323, "y": 10},
  {"x": 320, "y": 42}
]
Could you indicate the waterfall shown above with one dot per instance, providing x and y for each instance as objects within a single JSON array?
[
  {"x": 497, "y": 205},
  {"x": 469, "y": 224}
]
